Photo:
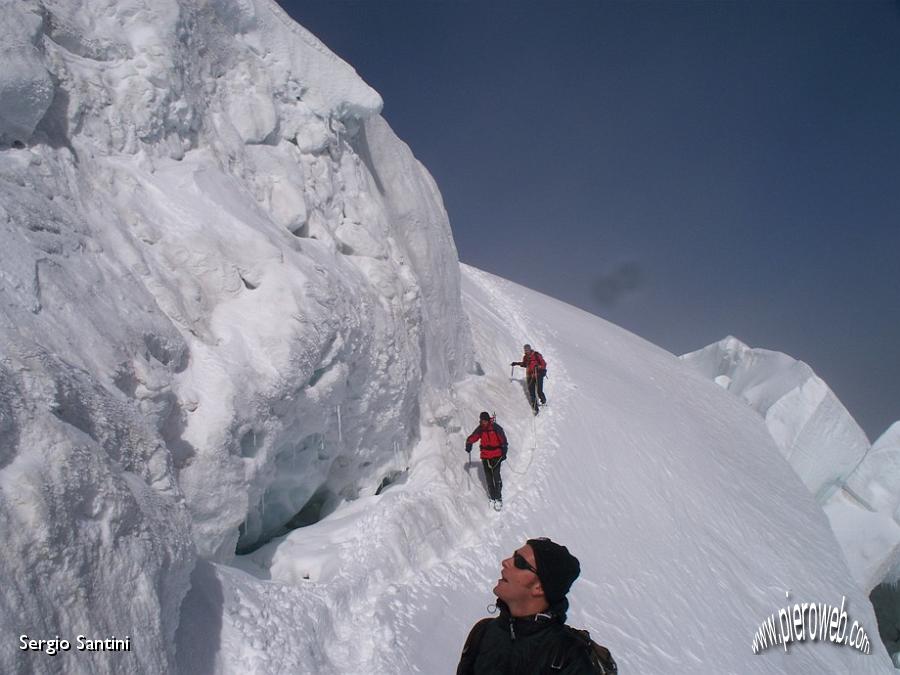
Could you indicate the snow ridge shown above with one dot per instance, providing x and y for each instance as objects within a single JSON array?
[
  {"x": 817, "y": 435},
  {"x": 858, "y": 486}
]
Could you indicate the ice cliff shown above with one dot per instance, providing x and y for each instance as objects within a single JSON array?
[
  {"x": 229, "y": 293},
  {"x": 858, "y": 486},
  {"x": 811, "y": 426}
]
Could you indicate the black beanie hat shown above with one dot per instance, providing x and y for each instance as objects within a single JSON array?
[
  {"x": 485, "y": 416},
  {"x": 556, "y": 568}
]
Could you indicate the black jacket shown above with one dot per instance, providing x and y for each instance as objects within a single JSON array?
[{"x": 523, "y": 646}]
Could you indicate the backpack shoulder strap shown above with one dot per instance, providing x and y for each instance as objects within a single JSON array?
[
  {"x": 500, "y": 432},
  {"x": 470, "y": 648},
  {"x": 579, "y": 641}
]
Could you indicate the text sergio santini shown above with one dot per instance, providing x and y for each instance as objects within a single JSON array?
[{"x": 82, "y": 644}]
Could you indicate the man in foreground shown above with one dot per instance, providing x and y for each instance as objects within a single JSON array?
[{"x": 530, "y": 635}]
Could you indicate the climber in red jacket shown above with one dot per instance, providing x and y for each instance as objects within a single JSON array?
[
  {"x": 535, "y": 371},
  {"x": 493, "y": 452}
]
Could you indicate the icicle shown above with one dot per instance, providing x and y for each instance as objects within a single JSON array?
[{"x": 340, "y": 431}]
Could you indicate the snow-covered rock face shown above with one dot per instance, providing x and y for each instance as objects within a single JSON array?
[
  {"x": 227, "y": 288},
  {"x": 816, "y": 434}
]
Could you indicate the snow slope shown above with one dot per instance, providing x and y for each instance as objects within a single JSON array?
[{"x": 689, "y": 524}]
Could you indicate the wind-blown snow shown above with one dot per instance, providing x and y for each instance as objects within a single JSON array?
[{"x": 231, "y": 306}]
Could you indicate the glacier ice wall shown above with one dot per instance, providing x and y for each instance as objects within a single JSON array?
[
  {"x": 816, "y": 434},
  {"x": 228, "y": 289},
  {"x": 865, "y": 514},
  {"x": 858, "y": 486}
]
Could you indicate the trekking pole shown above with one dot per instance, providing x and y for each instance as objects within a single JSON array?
[{"x": 512, "y": 372}]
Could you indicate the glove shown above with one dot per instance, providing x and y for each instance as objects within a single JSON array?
[
  {"x": 514, "y": 363},
  {"x": 503, "y": 456},
  {"x": 468, "y": 447}
]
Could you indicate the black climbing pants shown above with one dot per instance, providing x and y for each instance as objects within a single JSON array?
[
  {"x": 492, "y": 477},
  {"x": 536, "y": 390}
]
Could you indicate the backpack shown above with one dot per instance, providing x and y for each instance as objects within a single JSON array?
[
  {"x": 602, "y": 662},
  {"x": 502, "y": 435}
]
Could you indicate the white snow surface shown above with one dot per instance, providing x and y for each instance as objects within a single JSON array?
[{"x": 230, "y": 293}]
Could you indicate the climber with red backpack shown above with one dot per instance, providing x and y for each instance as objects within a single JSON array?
[
  {"x": 493, "y": 451},
  {"x": 535, "y": 372}
]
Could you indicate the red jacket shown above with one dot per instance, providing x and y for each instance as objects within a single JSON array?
[
  {"x": 493, "y": 440},
  {"x": 532, "y": 362}
]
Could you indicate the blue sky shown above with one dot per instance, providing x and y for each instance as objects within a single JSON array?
[{"x": 687, "y": 170}]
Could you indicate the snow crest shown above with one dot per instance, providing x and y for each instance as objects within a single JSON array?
[
  {"x": 816, "y": 434},
  {"x": 858, "y": 486}
]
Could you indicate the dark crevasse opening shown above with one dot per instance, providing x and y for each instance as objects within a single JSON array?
[
  {"x": 394, "y": 477},
  {"x": 322, "y": 502},
  {"x": 318, "y": 506},
  {"x": 886, "y": 601},
  {"x": 291, "y": 502}
]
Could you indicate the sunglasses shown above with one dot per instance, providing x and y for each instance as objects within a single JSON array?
[{"x": 520, "y": 562}]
